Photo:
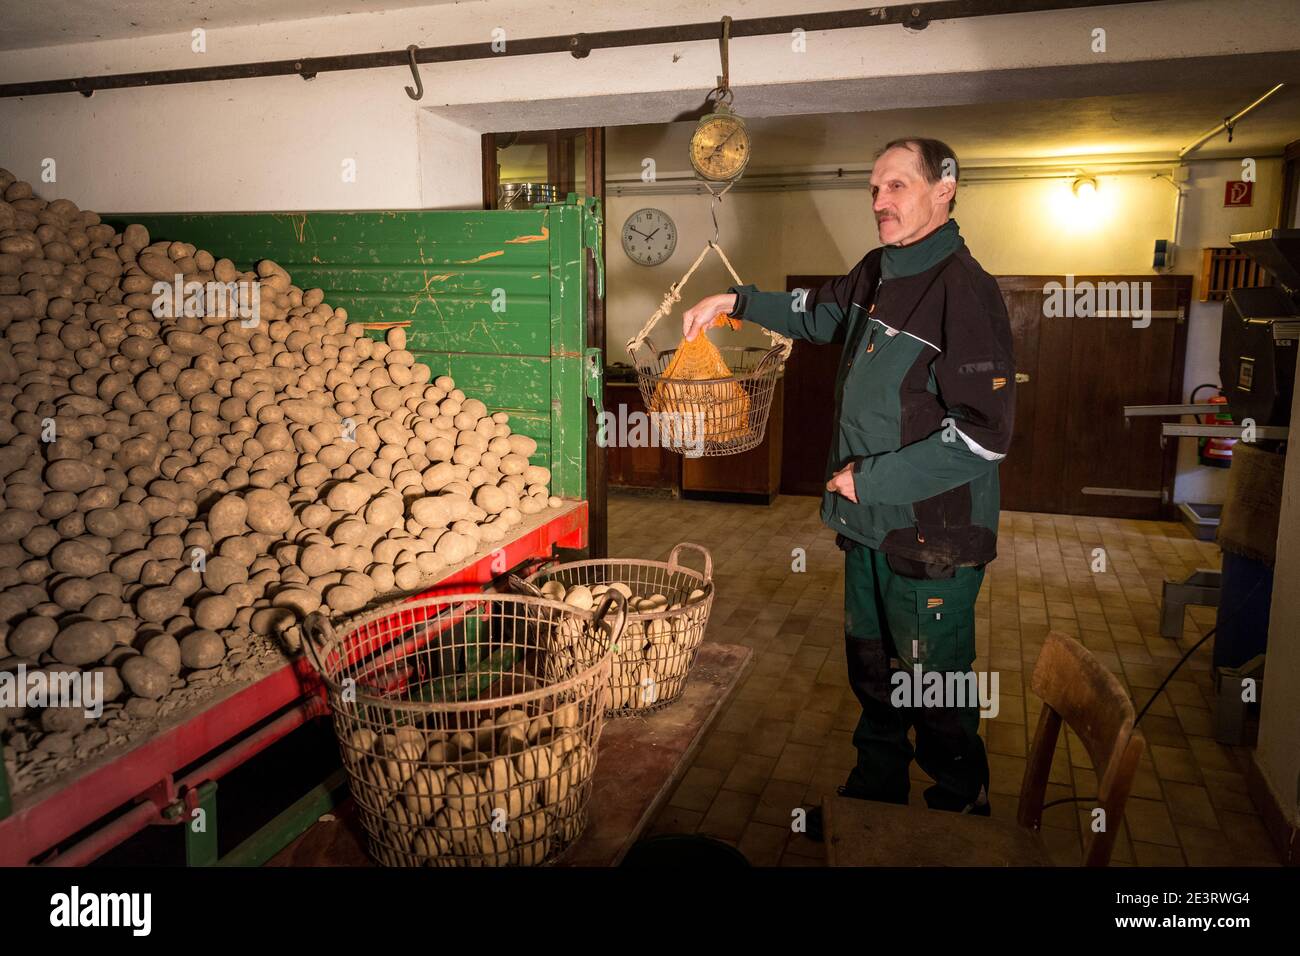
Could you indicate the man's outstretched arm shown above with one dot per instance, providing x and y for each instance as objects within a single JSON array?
[{"x": 814, "y": 315}]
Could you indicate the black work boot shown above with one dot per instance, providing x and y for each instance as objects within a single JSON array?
[{"x": 936, "y": 798}]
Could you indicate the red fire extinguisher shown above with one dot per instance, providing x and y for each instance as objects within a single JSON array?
[{"x": 1215, "y": 452}]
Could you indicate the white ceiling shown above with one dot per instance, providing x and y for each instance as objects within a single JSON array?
[
  {"x": 1130, "y": 126},
  {"x": 25, "y": 24}
]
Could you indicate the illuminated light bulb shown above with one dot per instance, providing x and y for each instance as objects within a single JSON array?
[{"x": 1085, "y": 187}]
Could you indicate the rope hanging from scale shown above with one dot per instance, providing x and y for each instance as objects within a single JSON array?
[{"x": 674, "y": 295}]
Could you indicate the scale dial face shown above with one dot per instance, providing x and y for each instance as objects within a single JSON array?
[
  {"x": 720, "y": 147},
  {"x": 649, "y": 237}
]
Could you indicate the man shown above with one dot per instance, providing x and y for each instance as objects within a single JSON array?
[{"x": 925, "y": 398}]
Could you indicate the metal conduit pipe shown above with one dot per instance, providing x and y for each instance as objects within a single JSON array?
[{"x": 915, "y": 16}]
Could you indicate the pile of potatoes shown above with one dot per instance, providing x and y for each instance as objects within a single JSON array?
[
  {"x": 166, "y": 482},
  {"x": 658, "y": 644},
  {"x": 509, "y": 791}
]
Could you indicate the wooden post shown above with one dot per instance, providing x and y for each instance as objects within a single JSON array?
[{"x": 597, "y": 478}]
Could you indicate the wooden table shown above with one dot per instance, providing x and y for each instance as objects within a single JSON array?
[{"x": 640, "y": 760}]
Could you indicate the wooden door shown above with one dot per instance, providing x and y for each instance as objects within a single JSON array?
[
  {"x": 1072, "y": 451},
  {"x": 809, "y": 408}
]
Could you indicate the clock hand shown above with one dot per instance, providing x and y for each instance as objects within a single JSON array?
[{"x": 640, "y": 233}]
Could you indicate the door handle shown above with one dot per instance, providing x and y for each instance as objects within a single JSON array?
[{"x": 1022, "y": 378}]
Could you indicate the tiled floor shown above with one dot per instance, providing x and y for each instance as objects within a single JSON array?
[{"x": 786, "y": 736}]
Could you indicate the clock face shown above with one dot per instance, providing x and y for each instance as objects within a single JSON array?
[
  {"x": 720, "y": 148},
  {"x": 649, "y": 237}
]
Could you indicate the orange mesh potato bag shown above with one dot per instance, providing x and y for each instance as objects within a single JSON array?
[{"x": 723, "y": 406}]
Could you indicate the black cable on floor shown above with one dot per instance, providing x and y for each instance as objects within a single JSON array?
[{"x": 1164, "y": 683}]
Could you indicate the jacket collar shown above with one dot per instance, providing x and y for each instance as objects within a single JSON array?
[{"x": 918, "y": 257}]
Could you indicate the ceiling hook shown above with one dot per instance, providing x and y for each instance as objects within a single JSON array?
[
  {"x": 723, "y": 89},
  {"x": 418, "y": 92},
  {"x": 725, "y": 41}
]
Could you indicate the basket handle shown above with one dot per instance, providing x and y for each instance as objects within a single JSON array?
[
  {"x": 316, "y": 629},
  {"x": 611, "y": 600},
  {"x": 520, "y": 586},
  {"x": 708, "y": 558}
]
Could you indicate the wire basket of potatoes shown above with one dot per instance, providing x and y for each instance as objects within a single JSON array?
[
  {"x": 468, "y": 723},
  {"x": 668, "y": 609}
]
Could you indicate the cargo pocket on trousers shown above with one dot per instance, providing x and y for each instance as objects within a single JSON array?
[{"x": 945, "y": 630}]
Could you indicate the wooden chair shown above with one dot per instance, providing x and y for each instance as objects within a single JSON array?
[{"x": 1075, "y": 689}]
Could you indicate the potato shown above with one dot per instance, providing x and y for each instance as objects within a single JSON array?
[
  {"x": 145, "y": 677},
  {"x": 215, "y": 612},
  {"x": 513, "y": 464},
  {"x": 359, "y": 743},
  {"x": 399, "y": 761},
  {"x": 566, "y": 716},
  {"x": 422, "y": 794},
  {"x": 32, "y": 636},
  {"x": 490, "y": 498},
  {"x": 77, "y": 557},
  {"x": 522, "y": 445},
  {"x": 157, "y": 604},
  {"x": 465, "y": 792},
  {"x": 202, "y": 649},
  {"x": 268, "y": 512},
  {"x": 209, "y": 475},
  {"x": 82, "y": 643},
  {"x": 454, "y": 547},
  {"x": 580, "y": 597}
]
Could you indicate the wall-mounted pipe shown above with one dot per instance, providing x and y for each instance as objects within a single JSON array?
[
  {"x": 859, "y": 177},
  {"x": 915, "y": 16},
  {"x": 1227, "y": 124}
]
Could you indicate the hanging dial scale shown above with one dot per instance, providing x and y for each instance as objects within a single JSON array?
[{"x": 720, "y": 144}]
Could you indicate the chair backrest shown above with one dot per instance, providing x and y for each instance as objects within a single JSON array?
[{"x": 1077, "y": 690}]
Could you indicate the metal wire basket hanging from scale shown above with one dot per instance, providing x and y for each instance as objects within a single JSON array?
[
  {"x": 668, "y": 611},
  {"x": 468, "y": 723},
  {"x": 715, "y": 400}
]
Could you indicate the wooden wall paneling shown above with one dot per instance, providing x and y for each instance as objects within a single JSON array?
[{"x": 1015, "y": 473}]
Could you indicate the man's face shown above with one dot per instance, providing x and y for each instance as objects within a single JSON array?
[{"x": 905, "y": 205}]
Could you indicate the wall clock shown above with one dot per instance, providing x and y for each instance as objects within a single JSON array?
[{"x": 649, "y": 236}]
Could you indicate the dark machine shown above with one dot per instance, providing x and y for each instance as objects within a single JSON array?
[
  {"x": 1257, "y": 347},
  {"x": 1257, "y": 366}
]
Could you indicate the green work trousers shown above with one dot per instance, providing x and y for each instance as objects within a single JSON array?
[{"x": 892, "y": 624}]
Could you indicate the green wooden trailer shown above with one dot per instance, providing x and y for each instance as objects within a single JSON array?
[{"x": 498, "y": 300}]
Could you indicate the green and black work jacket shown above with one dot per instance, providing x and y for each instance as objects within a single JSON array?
[{"x": 925, "y": 400}]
